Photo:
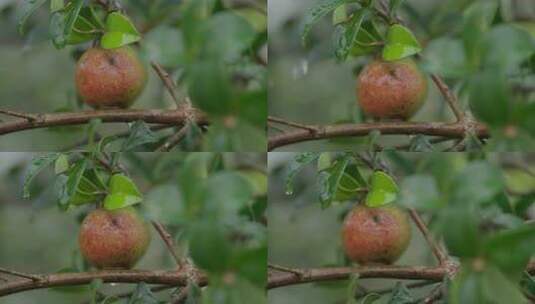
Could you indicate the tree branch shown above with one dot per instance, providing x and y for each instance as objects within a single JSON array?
[
  {"x": 168, "y": 240},
  {"x": 434, "y": 274},
  {"x": 449, "y": 96},
  {"x": 437, "y": 251},
  {"x": 456, "y": 130},
  {"x": 20, "y": 274},
  {"x": 116, "y": 276},
  {"x": 162, "y": 117}
]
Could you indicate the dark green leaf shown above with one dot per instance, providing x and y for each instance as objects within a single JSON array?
[
  {"x": 349, "y": 35},
  {"x": 36, "y": 166},
  {"x": 140, "y": 134},
  {"x": 142, "y": 295},
  {"x": 207, "y": 238},
  {"x": 511, "y": 249},
  {"x": 462, "y": 239},
  {"x": 329, "y": 180},
  {"x": 28, "y": 7},
  {"x": 420, "y": 192},
  {"x": 313, "y": 15},
  {"x": 295, "y": 166},
  {"x": 72, "y": 182},
  {"x": 477, "y": 183}
]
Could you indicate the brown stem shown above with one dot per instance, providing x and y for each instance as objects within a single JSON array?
[
  {"x": 168, "y": 240},
  {"x": 167, "y": 81},
  {"x": 160, "y": 277},
  {"x": 449, "y": 96},
  {"x": 162, "y": 117},
  {"x": 175, "y": 139},
  {"x": 20, "y": 274},
  {"x": 437, "y": 251},
  {"x": 456, "y": 130},
  {"x": 434, "y": 274},
  {"x": 30, "y": 117},
  {"x": 284, "y": 278},
  {"x": 292, "y": 124}
]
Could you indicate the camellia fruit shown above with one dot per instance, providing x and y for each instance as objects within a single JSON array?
[
  {"x": 377, "y": 235},
  {"x": 114, "y": 239},
  {"x": 111, "y": 78},
  {"x": 391, "y": 90}
]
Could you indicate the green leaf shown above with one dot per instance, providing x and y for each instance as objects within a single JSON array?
[
  {"x": 340, "y": 14},
  {"x": 393, "y": 6},
  {"x": 36, "y": 166},
  {"x": 401, "y": 295},
  {"x": 72, "y": 182},
  {"x": 497, "y": 288},
  {"x": 489, "y": 97},
  {"x": 62, "y": 164},
  {"x": 510, "y": 250},
  {"x": 210, "y": 88},
  {"x": 251, "y": 264},
  {"x": 112, "y": 40},
  {"x": 165, "y": 45},
  {"x": 140, "y": 134},
  {"x": 117, "y": 22},
  {"x": 400, "y": 43},
  {"x": 313, "y": 15},
  {"x": 420, "y": 192},
  {"x": 205, "y": 239},
  {"x": 56, "y": 29},
  {"x": 367, "y": 36},
  {"x": 446, "y": 56},
  {"x": 28, "y": 7},
  {"x": 506, "y": 46},
  {"x": 383, "y": 190},
  {"x": 56, "y": 5},
  {"x": 72, "y": 16},
  {"x": 143, "y": 295},
  {"x": 227, "y": 36},
  {"x": 329, "y": 180},
  {"x": 123, "y": 192},
  {"x": 296, "y": 165},
  {"x": 462, "y": 239},
  {"x": 477, "y": 19},
  {"x": 479, "y": 182},
  {"x": 349, "y": 34},
  {"x": 226, "y": 193}
]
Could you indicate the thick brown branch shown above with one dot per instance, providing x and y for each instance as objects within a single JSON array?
[
  {"x": 117, "y": 276},
  {"x": 434, "y": 274},
  {"x": 162, "y": 117},
  {"x": 281, "y": 279},
  {"x": 455, "y": 130}
]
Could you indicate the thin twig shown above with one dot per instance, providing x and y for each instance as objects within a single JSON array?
[
  {"x": 167, "y": 81},
  {"x": 168, "y": 240},
  {"x": 175, "y": 139},
  {"x": 449, "y": 96},
  {"x": 389, "y": 289},
  {"x": 437, "y": 251},
  {"x": 21, "y": 274},
  {"x": 287, "y": 269},
  {"x": 292, "y": 124},
  {"x": 28, "y": 116}
]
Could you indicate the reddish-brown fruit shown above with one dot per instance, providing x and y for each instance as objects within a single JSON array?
[
  {"x": 391, "y": 90},
  {"x": 376, "y": 235},
  {"x": 110, "y": 78},
  {"x": 113, "y": 239}
]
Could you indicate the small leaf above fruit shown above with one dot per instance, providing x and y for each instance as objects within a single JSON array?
[
  {"x": 119, "y": 31},
  {"x": 383, "y": 190},
  {"x": 122, "y": 193},
  {"x": 400, "y": 43}
]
